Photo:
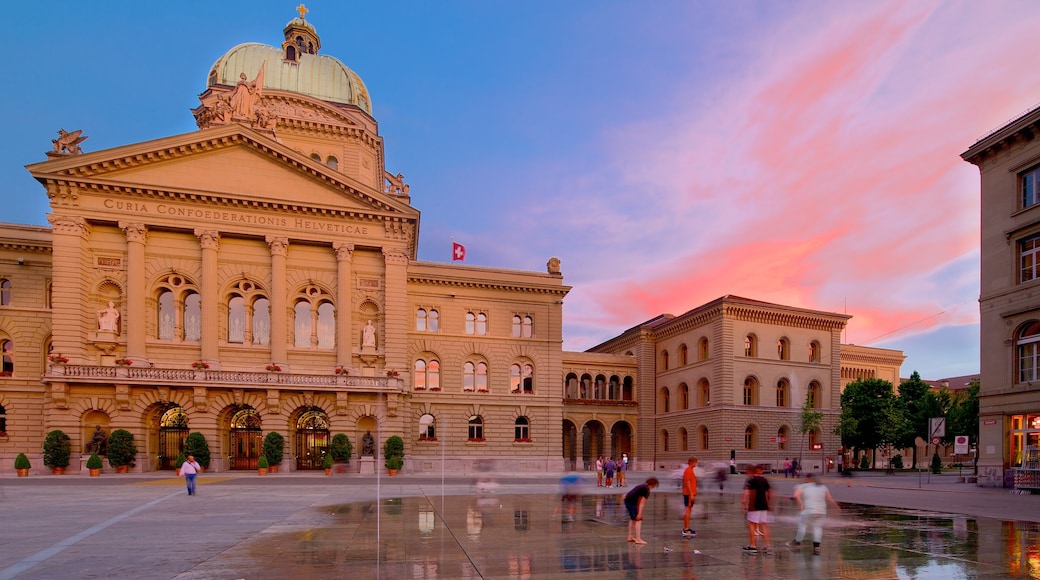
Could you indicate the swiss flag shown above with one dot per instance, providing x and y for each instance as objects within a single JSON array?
[{"x": 458, "y": 252}]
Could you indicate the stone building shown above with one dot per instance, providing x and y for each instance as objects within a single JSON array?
[
  {"x": 1009, "y": 397},
  {"x": 260, "y": 275}
]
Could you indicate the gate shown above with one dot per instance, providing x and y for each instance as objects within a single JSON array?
[
  {"x": 246, "y": 429},
  {"x": 312, "y": 439},
  {"x": 173, "y": 430}
]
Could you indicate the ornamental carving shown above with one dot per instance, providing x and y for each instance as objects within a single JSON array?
[
  {"x": 134, "y": 232},
  {"x": 69, "y": 225},
  {"x": 67, "y": 143},
  {"x": 208, "y": 239}
]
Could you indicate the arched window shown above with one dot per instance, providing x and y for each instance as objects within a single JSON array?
[
  {"x": 749, "y": 438},
  {"x": 427, "y": 375},
  {"x": 521, "y": 378},
  {"x": 7, "y": 351},
  {"x": 5, "y": 292},
  {"x": 302, "y": 324},
  {"x": 666, "y": 402},
  {"x": 332, "y": 162},
  {"x": 704, "y": 439},
  {"x": 290, "y": 53},
  {"x": 664, "y": 440},
  {"x": 435, "y": 321},
  {"x": 664, "y": 360},
  {"x": 703, "y": 393},
  {"x": 476, "y": 428},
  {"x": 702, "y": 349},
  {"x": 585, "y": 391},
  {"x": 316, "y": 157},
  {"x": 750, "y": 391},
  {"x": 614, "y": 388},
  {"x": 522, "y": 430},
  {"x": 783, "y": 349},
  {"x": 523, "y": 327},
  {"x": 421, "y": 317},
  {"x": 261, "y": 319},
  {"x": 683, "y": 439},
  {"x": 782, "y": 388},
  {"x": 812, "y": 392},
  {"x": 814, "y": 352},
  {"x": 684, "y": 356},
  {"x": 684, "y": 395},
  {"x": 476, "y": 323},
  {"x": 814, "y": 440},
  {"x": 1028, "y": 343},
  {"x": 781, "y": 439},
  {"x": 167, "y": 315},
  {"x": 3, "y": 420},
  {"x": 314, "y": 322},
  {"x": 474, "y": 377},
  {"x": 237, "y": 320},
  {"x": 750, "y": 346},
  {"x": 326, "y": 325},
  {"x": 249, "y": 319},
  {"x": 427, "y": 428},
  {"x": 600, "y": 388},
  {"x": 628, "y": 389}
]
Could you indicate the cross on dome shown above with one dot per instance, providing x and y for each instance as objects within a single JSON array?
[{"x": 302, "y": 10}]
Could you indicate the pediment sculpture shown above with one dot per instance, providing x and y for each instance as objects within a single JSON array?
[{"x": 67, "y": 143}]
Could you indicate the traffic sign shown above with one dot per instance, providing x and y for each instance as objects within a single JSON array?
[
  {"x": 960, "y": 445},
  {"x": 935, "y": 440}
]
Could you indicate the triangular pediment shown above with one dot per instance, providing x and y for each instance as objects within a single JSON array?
[{"x": 230, "y": 162}]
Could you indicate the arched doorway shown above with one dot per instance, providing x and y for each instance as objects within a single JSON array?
[
  {"x": 570, "y": 444},
  {"x": 312, "y": 439},
  {"x": 621, "y": 439},
  {"x": 246, "y": 430},
  {"x": 591, "y": 443},
  {"x": 173, "y": 430}
]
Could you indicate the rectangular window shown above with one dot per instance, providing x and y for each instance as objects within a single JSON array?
[
  {"x": 1028, "y": 249},
  {"x": 1030, "y": 183}
]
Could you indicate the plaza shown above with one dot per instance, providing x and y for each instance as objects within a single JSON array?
[{"x": 305, "y": 525}]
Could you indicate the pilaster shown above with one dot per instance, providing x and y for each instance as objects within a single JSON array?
[
  {"x": 209, "y": 240},
  {"x": 135, "y": 293}
]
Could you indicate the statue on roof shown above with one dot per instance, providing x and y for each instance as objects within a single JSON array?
[
  {"x": 68, "y": 142},
  {"x": 247, "y": 95}
]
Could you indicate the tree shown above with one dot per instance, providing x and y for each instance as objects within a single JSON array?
[
  {"x": 809, "y": 420},
  {"x": 865, "y": 407},
  {"x": 195, "y": 444},
  {"x": 57, "y": 447},
  {"x": 121, "y": 448},
  {"x": 341, "y": 448},
  {"x": 911, "y": 396},
  {"x": 273, "y": 447}
]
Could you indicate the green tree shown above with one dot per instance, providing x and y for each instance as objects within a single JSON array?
[
  {"x": 273, "y": 447},
  {"x": 809, "y": 420},
  {"x": 911, "y": 396},
  {"x": 865, "y": 407},
  {"x": 195, "y": 444},
  {"x": 341, "y": 448}
]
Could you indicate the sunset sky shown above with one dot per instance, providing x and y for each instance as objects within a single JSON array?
[{"x": 669, "y": 153}]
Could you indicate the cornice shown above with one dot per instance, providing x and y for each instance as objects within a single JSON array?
[
  {"x": 768, "y": 316},
  {"x": 1025, "y": 128},
  {"x": 560, "y": 291}
]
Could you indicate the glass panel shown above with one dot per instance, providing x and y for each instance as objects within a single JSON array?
[
  {"x": 481, "y": 324},
  {"x": 420, "y": 320},
  {"x": 5, "y": 292},
  {"x": 482, "y": 378},
  {"x": 236, "y": 320},
  {"x": 193, "y": 317},
  {"x": 514, "y": 379},
  {"x": 166, "y": 315},
  {"x": 434, "y": 321},
  {"x": 434, "y": 375},
  {"x": 326, "y": 325},
  {"x": 468, "y": 376},
  {"x": 7, "y": 347},
  {"x": 262, "y": 321},
  {"x": 302, "y": 324},
  {"x": 420, "y": 374},
  {"x": 470, "y": 323},
  {"x": 516, "y": 327}
]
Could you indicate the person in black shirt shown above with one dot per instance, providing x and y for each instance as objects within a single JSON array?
[
  {"x": 757, "y": 497},
  {"x": 635, "y": 500}
]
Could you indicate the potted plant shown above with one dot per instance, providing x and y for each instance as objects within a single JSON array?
[
  {"x": 195, "y": 445},
  {"x": 179, "y": 462},
  {"x": 122, "y": 453},
  {"x": 328, "y": 463},
  {"x": 22, "y": 465},
  {"x": 341, "y": 449},
  {"x": 393, "y": 452},
  {"x": 262, "y": 465},
  {"x": 273, "y": 448},
  {"x": 94, "y": 465},
  {"x": 273, "y": 367},
  {"x": 57, "y": 447},
  {"x": 200, "y": 365}
]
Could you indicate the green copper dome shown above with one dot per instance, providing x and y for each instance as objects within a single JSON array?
[{"x": 294, "y": 67}]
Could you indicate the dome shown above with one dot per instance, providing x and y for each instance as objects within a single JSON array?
[{"x": 308, "y": 73}]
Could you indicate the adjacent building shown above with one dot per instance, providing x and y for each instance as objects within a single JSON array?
[{"x": 1009, "y": 397}]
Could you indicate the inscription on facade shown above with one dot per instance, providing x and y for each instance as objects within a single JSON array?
[
  {"x": 109, "y": 262},
  {"x": 138, "y": 208}
]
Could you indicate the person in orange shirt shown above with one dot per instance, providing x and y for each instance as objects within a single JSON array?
[{"x": 689, "y": 495}]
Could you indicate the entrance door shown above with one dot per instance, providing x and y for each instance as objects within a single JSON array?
[
  {"x": 312, "y": 439},
  {"x": 246, "y": 430},
  {"x": 173, "y": 430}
]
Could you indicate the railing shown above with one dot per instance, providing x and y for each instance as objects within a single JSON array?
[{"x": 132, "y": 374}]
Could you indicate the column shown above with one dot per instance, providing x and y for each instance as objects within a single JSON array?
[
  {"x": 396, "y": 315},
  {"x": 279, "y": 314},
  {"x": 70, "y": 236},
  {"x": 344, "y": 309},
  {"x": 136, "y": 236},
  {"x": 209, "y": 294}
]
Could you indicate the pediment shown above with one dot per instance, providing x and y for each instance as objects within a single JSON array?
[{"x": 224, "y": 162}]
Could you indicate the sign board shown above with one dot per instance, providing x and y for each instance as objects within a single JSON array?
[
  {"x": 960, "y": 445},
  {"x": 936, "y": 427},
  {"x": 936, "y": 440},
  {"x": 772, "y": 439},
  {"x": 990, "y": 422},
  {"x": 817, "y": 446}
]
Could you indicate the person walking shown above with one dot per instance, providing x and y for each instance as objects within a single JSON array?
[
  {"x": 757, "y": 498},
  {"x": 599, "y": 471},
  {"x": 190, "y": 470},
  {"x": 608, "y": 469},
  {"x": 622, "y": 469},
  {"x": 689, "y": 495},
  {"x": 635, "y": 501},
  {"x": 812, "y": 498}
]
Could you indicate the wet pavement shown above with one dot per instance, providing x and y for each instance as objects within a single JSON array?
[{"x": 309, "y": 526}]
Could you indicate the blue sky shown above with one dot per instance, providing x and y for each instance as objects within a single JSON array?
[{"x": 669, "y": 153}]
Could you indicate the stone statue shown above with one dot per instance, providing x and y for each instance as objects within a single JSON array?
[
  {"x": 99, "y": 442},
  {"x": 68, "y": 142},
  {"x": 247, "y": 95},
  {"x": 368, "y": 444},
  {"x": 108, "y": 318},
  {"x": 368, "y": 335}
]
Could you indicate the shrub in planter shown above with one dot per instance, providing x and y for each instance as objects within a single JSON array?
[
  {"x": 180, "y": 461},
  {"x": 864, "y": 462},
  {"x": 897, "y": 461},
  {"x": 393, "y": 451},
  {"x": 262, "y": 462},
  {"x": 394, "y": 462},
  {"x": 22, "y": 462},
  {"x": 57, "y": 447},
  {"x": 94, "y": 462},
  {"x": 341, "y": 449},
  {"x": 121, "y": 448},
  {"x": 329, "y": 462},
  {"x": 195, "y": 444},
  {"x": 936, "y": 465},
  {"x": 273, "y": 448}
]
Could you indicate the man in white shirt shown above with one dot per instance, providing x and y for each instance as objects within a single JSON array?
[
  {"x": 812, "y": 497},
  {"x": 190, "y": 470}
]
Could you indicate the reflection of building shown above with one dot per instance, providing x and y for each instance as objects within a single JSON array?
[
  {"x": 1009, "y": 397},
  {"x": 263, "y": 278}
]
